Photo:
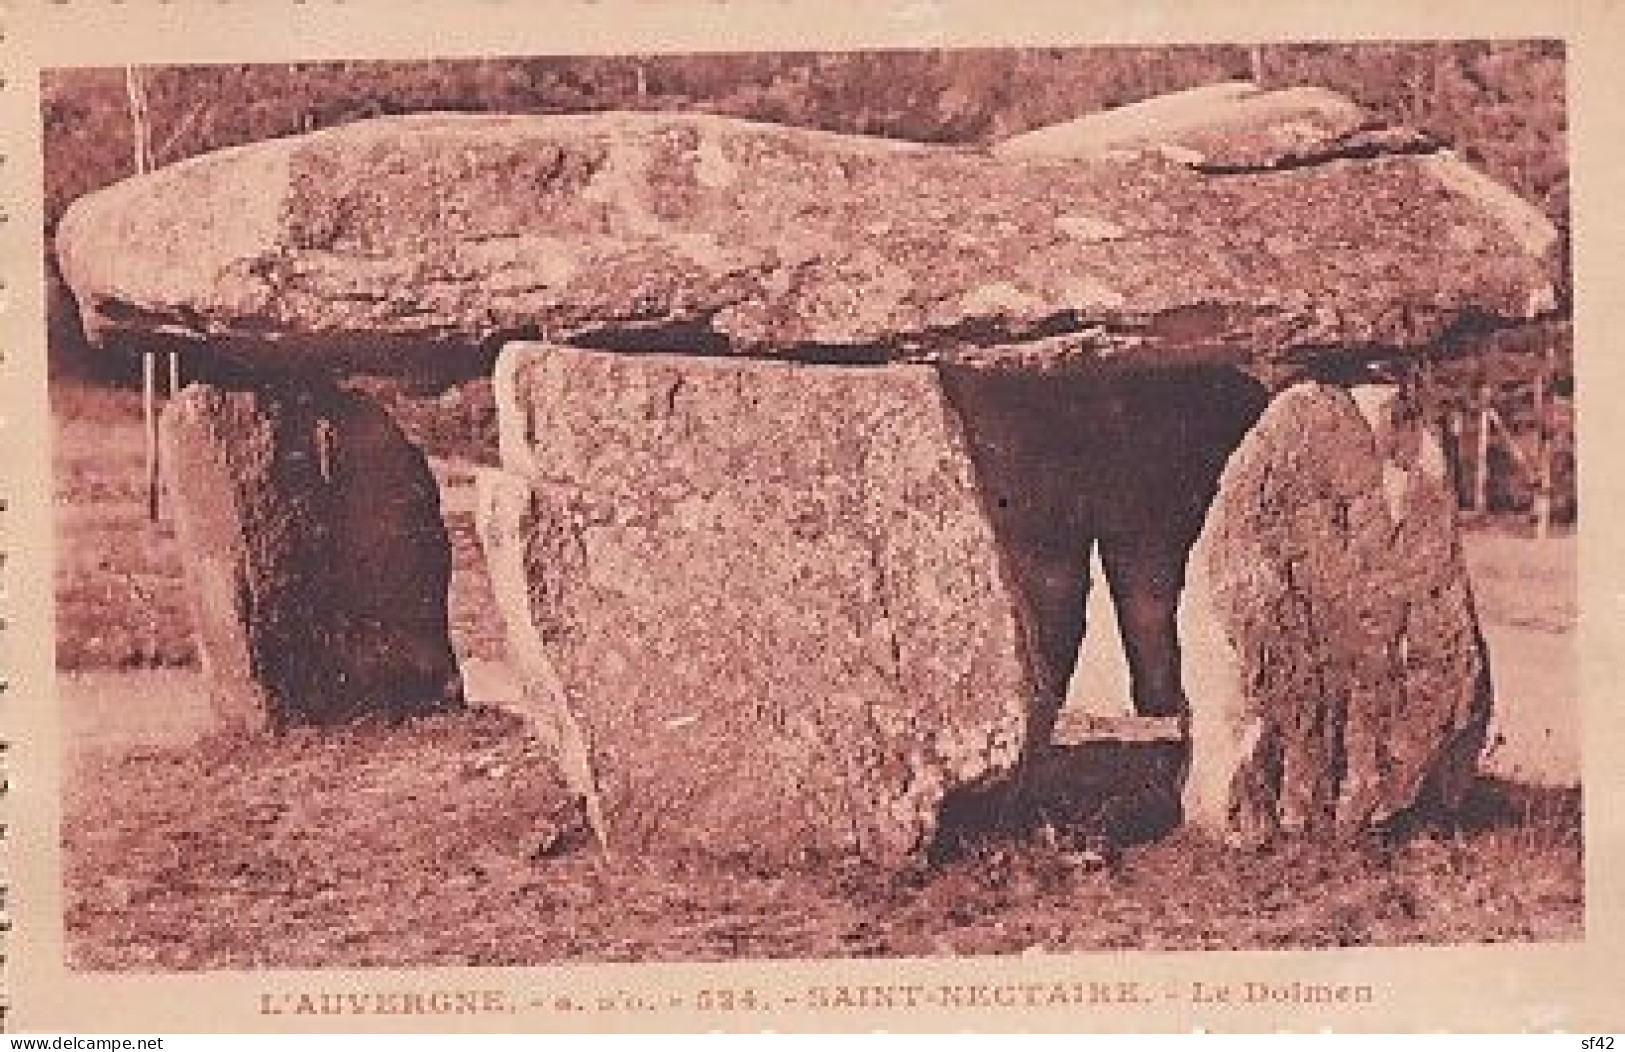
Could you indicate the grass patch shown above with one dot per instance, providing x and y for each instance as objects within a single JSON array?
[
  {"x": 120, "y": 597},
  {"x": 120, "y": 602},
  {"x": 450, "y": 841}
]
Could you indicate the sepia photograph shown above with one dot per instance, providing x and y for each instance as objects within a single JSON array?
[{"x": 698, "y": 507}]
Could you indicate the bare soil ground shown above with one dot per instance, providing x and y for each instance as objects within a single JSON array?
[{"x": 450, "y": 840}]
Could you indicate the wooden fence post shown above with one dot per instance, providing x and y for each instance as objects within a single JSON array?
[
  {"x": 149, "y": 420},
  {"x": 1543, "y": 446},
  {"x": 1481, "y": 469}
]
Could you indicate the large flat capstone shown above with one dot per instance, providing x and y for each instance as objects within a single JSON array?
[
  {"x": 762, "y": 601},
  {"x": 409, "y": 244},
  {"x": 316, "y": 558}
]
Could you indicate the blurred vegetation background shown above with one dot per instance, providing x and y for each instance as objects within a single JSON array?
[{"x": 1500, "y": 104}]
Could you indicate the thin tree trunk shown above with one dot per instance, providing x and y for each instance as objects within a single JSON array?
[
  {"x": 1543, "y": 446},
  {"x": 140, "y": 125},
  {"x": 135, "y": 89},
  {"x": 149, "y": 413}
]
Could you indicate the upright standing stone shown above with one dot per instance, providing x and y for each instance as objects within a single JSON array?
[
  {"x": 1332, "y": 655},
  {"x": 768, "y": 594},
  {"x": 316, "y": 557}
]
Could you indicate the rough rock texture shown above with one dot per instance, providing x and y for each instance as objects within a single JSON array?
[
  {"x": 317, "y": 562},
  {"x": 1332, "y": 654},
  {"x": 764, "y": 599},
  {"x": 405, "y": 243},
  {"x": 1226, "y": 127},
  {"x": 511, "y": 521}
]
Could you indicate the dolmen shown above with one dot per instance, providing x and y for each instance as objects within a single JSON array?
[{"x": 806, "y": 437}]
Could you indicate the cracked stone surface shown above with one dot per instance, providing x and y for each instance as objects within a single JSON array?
[
  {"x": 763, "y": 598},
  {"x": 418, "y": 243},
  {"x": 316, "y": 559},
  {"x": 1332, "y": 653}
]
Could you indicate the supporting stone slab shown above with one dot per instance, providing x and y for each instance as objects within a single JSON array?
[
  {"x": 766, "y": 596},
  {"x": 316, "y": 559},
  {"x": 1331, "y": 651},
  {"x": 794, "y": 612}
]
